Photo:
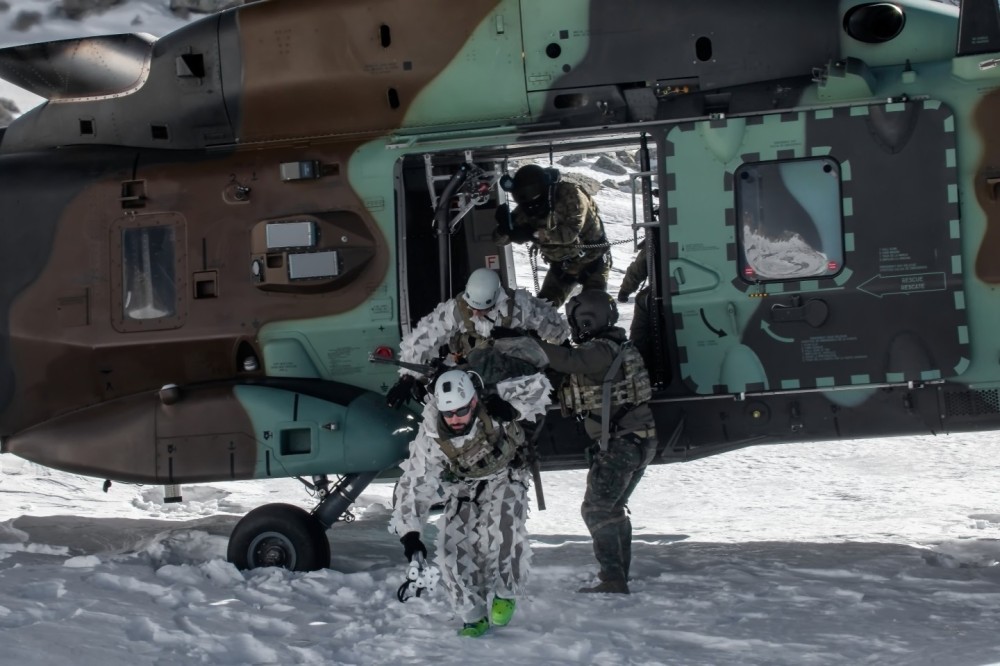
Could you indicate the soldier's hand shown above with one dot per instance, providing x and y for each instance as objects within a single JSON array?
[
  {"x": 501, "y": 332},
  {"x": 418, "y": 391},
  {"x": 521, "y": 233},
  {"x": 623, "y": 296},
  {"x": 401, "y": 391},
  {"x": 502, "y": 216},
  {"x": 499, "y": 408},
  {"x": 412, "y": 545}
]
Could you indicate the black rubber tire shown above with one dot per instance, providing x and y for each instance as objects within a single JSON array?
[{"x": 279, "y": 535}]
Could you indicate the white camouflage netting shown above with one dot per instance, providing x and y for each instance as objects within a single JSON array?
[
  {"x": 422, "y": 343},
  {"x": 482, "y": 542}
]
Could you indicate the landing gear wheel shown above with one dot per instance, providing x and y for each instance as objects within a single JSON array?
[{"x": 279, "y": 535}]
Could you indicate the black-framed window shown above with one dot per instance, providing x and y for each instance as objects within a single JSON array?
[
  {"x": 790, "y": 223},
  {"x": 149, "y": 280},
  {"x": 147, "y": 273}
]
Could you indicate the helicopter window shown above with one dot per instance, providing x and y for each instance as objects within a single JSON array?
[
  {"x": 790, "y": 224},
  {"x": 290, "y": 234},
  {"x": 149, "y": 285},
  {"x": 312, "y": 265}
]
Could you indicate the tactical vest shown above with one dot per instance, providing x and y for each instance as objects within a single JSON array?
[
  {"x": 490, "y": 450},
  {"x": 467, "y": 339},
  {"x": 579, "y": 394}
]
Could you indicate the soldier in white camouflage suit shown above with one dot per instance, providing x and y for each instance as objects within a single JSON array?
[
  {"x": 608, "y": 389},
  {"x": 464, "y": 323},
  {"x": 469, "y": 450},
  {"x": 562, "y": 220}
]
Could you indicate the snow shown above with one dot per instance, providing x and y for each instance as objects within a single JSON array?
[
  {"x": 863, "y": 552},
  {"x": 872, "y": 551},
  {"x": 782, "y": 258}
]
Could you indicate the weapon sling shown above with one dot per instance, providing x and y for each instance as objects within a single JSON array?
[
  {"x": 536, "y": 472},
  {"x": 606, "y": 397}
]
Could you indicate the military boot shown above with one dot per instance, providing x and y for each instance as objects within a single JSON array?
[
  {"x": 608, "y": 586},
  {"x": 474, "y": 629},
  {"x": 611, "y": 582},
  {"x": 501, "y": 611}
]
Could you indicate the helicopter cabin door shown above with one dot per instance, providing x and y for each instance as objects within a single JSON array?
[{"x": 816, "y": 249}]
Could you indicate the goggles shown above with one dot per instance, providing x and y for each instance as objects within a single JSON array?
[{"x": 461, "y": 411}]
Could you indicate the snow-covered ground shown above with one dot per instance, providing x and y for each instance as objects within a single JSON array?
[{"x": 866, "y": 552}]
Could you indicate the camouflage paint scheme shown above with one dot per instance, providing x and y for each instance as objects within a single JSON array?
[{"x": 203, "y": 132}]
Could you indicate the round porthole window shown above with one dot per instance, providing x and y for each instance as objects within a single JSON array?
[{"x": 874, "y": 23}]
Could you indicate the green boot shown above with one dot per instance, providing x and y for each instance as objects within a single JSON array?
[
  {"x": 474, "y": 629},
  {"x": 502, "y": 611}
]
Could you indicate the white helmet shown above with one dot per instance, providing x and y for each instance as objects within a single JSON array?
[
  {"x": 453, "y": 390},
  {"x": 482, "y": 291}
]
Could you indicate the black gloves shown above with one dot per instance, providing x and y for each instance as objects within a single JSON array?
[
  {"x": 507, "y": 230},
  {"x": 521, "y": 233},
  {"x": 407, "y": 387},
  {"x": 418, "y": 391},
  {"x": 502, "y": 216},
  {"x": 623, "y": 296},
  {"x": 400, "y": 391},
  {"x": 413, "y": 545},
  {"x": 500, "y": 408},
  {"x": 501, "y": 332}
]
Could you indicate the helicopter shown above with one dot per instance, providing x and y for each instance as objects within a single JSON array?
[{"x": 209, "y": 235}]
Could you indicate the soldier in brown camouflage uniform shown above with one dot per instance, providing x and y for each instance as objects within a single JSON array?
[
  {"x": 617, "y": 418},
  {"x": 562, "y": 220}
]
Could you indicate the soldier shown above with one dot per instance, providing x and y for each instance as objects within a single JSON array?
[
  {"x": 608, "y": 389},
  {"x": 464, "y": 323},
  {"x": 469, "y": 450},
  {"x": 635, "y": 276},
  {"x": 562, "y": 220}
]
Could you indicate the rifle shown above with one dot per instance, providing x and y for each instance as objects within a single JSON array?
[
  {"x": 536, "y": 472},
  {"x": 426, "y": 369},
  {"x": 408, "y": 386}
]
